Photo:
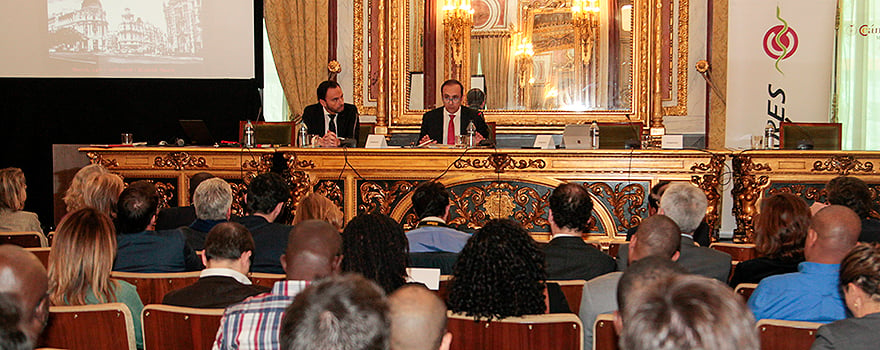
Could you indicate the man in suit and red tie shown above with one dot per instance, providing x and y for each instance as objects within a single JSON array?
[
  {"x": 445, "y": 124},
  {"x": 332, "y": 118}
]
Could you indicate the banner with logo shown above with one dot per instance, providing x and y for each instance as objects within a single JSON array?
[{"x": 779, "y": 65}]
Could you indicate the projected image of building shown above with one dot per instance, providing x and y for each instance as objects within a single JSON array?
[
  {"x": 137, "y": 36},
  {"x": 184, "y": 29},
  {"x": 83, "y": 30}
]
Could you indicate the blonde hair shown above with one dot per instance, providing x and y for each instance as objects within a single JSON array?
[
  {"x": 12, "y": 189},
  {"x": 73, "y": 198},
  {"x": 317, "y": 207},
  {"x": 102, "y": 192},
  {"x": 82, "y": 257}
]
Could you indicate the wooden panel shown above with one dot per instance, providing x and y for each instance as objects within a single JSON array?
[
  {"x": 573, "y": 290},
  {"x": 152, "y": 287},
  {"x": 605, "y": 337},
  {"x": 42, "y": 254},
  {"x": 172, "y": 327},
  {"x": 552, "y": 331},
  {"x": 265, "y": 279},
  {"x": 745, "y": 290},
  {"x": 23, "y": 239},
  {"x": 75, "y": 327},
  {"x": 787, "y": 335}
]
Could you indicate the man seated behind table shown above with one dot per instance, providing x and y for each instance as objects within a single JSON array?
[
  {"x": 331, "y": 117},
  {"x": 431, "y": 204},
  {"x": 228, "y": 251},
  {"x": 445, "y": 124}
]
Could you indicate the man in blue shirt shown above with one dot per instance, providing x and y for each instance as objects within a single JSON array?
[
  {"x": 812, "y": 294},
  {"x": 431, "y": 203}
]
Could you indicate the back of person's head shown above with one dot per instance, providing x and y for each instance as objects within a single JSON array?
[
  {"x": 687, "y": 312},
  {"x": 835, "y": 230},
  {"x": 781, "y": 227},
  {"x": 136, "y": 207},
  {"x": 23, "y": 278},
  {"x": 212, "y": 199},
  {"x": 571, "y": 206},
  {"x": 314, "y": 251},
  {"x": 375, "y": 246},
  {"x": 317, "y": 207},
  {"x": 265, "y": 192},
  {"x": 228, "y": 241},
  {"x": 196, "y": 180},
  {"x": 657, "y": 235},
  {"x": 418, "y": 319},
  {"x": 346, "y": 312},
  {"x": 861, "y": 267},
  {"x": 476, "y": 98},
  {"x": 499, "y": 273},
  {"x": 657, "y": 193},
  {"x": 324, "y": 86},
  {"x": 430, "y": 199},
  {"x": 12, "y": 189},
  {"x": 102, "y": 192},
  {"x": 643, "y": 272},
  {"x": 82, "y": 257},
  {"x": 851, "y": 192},
  {"x": 11, "y": 335},
  {"x": 73, "y": 196},
  {"x": 685, "y": 204}
]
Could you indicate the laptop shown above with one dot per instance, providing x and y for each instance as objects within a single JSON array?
[
  {"x": 197, "y": 132},
  {"x": 576, "y": 136}
]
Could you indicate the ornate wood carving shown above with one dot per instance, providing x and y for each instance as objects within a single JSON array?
[
  {"x": 710, "y": 183},
  {"x": 626, "y": 202},
  {"x": 747, "y": 188},
  {"x": 98, "y": 158},
  {"x": 808, "y": 193},
  {"x": 477, "y": 204},
  {"x": 377, "y": 196},
  {"x": 239, "y": 198},
  {"x": 180, "y": 161},
  {"x": 262, "y": 164},
  {"x": 332, "y": 191},
  {"x": 844, "y": 165},
  {"x": 500, "y": 162}
]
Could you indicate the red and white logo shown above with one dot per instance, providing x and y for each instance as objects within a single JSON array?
[{"x": 780, "y": 42}]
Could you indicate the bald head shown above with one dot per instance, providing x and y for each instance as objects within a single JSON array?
[
  {"x": 418, "y": 319},
  {"x": 657, "y": 235},
  {"x": 313, "y": 251},
  {"x": 24, "y": 277},
  {"x": 834, "y": 231}
]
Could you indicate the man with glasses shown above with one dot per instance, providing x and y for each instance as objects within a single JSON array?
[{"x": 445, "y": 124}]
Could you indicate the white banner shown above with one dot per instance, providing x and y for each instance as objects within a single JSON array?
[{"x": 779, "y": 65}]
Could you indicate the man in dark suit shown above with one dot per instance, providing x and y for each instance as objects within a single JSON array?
[
  {"x": 567, "y": 256},
  {"x": 331, "y": 117},
  {"x": 266, "y": 196},
  {"x": 445, "y": 124},
  {"x": 171, "y": 218},
  {"x": 228, "y": 250}
]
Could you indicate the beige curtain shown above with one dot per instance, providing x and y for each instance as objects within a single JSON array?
[
  {"x": 495, "y": 54},
  {"x": 298, "y": 35}
]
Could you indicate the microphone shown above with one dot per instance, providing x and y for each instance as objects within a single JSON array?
[
  {"x": 804, "y": 144},
  {"x": 630, "y": 143}
]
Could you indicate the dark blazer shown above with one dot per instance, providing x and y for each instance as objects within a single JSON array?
[
  {"x": 697, "y": 260},
  {"x": 155, "y": 251},
  {"x": 432, "y": 123},
  {"x": 171, "y": 218},
  {"x": 347, "y": 123},
  {"x": 849, "y": 333},
  {"x": 212, "y": 292},
  {"x": 270, "y": 240},
  {"x": 870, "y": 231},
  {"x": 753, "y": 271},
  {"x": 570, "y": 258},
  {"x": 701, "y": 234}
]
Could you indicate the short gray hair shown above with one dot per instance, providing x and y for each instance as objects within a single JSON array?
[
  {"x": 212, "y": 199},
  {"x": 685, "y": 204}
]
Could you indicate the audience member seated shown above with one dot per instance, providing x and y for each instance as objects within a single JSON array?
[
  {"x": 431, "y": 203},
  {"x": 658, "y": 236},
  {"x": 13, "y": 218},
  {"x": 374, "y": 246},
  {"x": 317, "y": 207},
  {"x": 568, "y": 256},
  {"x": 143, "y": 250},
  {"x": 686, "y": 204},
  {"x": 171, "y": 218},
  {"x": 418, "y": 320},
  {"x": 313, "y": 252},
  {"x": 266, "y": 196},
  {"x": 228, "y": 251},
  {"x": 685, "y": 312},
  {"x": 780, "y": 232},
  {"x": 213, "y": 202},
  {"x": 813, "y": 293},
  {"x": 701, "y": 234},
  {"x": 860, "y": 281},
  {"x": 73, "y": 197},
  {"x": 853, "y": 193},
  {"x": 102, "y": 192},
  {"x": 11, "y": 336},
  {"x": 80, "y": 263},
  {"x": 500, "y": 273},
  {"x": 24, "y": 279},
  {"x": 346, "y": 312}
]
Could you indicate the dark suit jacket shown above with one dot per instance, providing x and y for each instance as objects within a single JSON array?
[
  {"x": 270, "y": 240},
  {"x": 171, "y": 218},
  {"x": 212, "y": 292},
  {"x": 701, "y": 234},
  {"x": 570, "y": 258},
  {"x": 347, "y": 123},
  {"x": 155, "y": 251},
  {"x": 753, "y": 271},
  {"x": 432, "y": 123},
  {"x": 702, "y": 261}
]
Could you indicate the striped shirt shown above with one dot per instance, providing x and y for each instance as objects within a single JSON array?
[{"x": 254, "y": 323}]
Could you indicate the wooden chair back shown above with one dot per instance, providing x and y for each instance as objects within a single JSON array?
[
  {"x": 604, "y": 335},
  {"x": 152, "y": 287},
  {"x": 266, "y": 279},
  {"x": 443, "y": 290},
  {"x": 550, "y": 331},
  {"x": 614, "y": 248},
  {"x": 42, "y": 253},
  {"x": 737, "y": 251},
  {"x": 175, "y": 327},
  {"x": 745, "y": 290},
  {"x": 25, "y": 239},
  {"x": 787, "y": 335},
  {"x": 573, "y": 290},
  {"x": 89, "y": 327}
]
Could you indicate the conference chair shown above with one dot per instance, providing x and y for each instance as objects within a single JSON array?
[
  {"x": 89, "y": 327},
  {"x": 42, "y": 253},
  {"x": 745, "y": 290},
  {"x": 24, "y": 239},
  {"x": 737, "y": 251},
  {"x": 152, "y": 287},
  {"x": 266, "y": 279},
  {"x": 786, "y": 335},
  {"x": 604, "y": 335},
  {"x": 573, "y": 290},
  {"x": 614, "y": 248},
  {"x": 270, "y": 133},
  {"x": 549, "y": 331},
  {"x": 175, "y": 327}
]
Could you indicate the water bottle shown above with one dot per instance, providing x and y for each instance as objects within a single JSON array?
[
  {"x": 472, "y": 137},
  {"x": 302, "y": 135},
  {"x": 594, "y": 135},
  {"x": 769, "y": 132},
  {"x": 249, "y": 141}
]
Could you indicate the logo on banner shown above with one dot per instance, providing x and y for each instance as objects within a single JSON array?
[{"x": 780, "y": 42}]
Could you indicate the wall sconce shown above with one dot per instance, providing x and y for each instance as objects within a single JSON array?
[
  {"x": 458, "y": 19},
  {"x": 523, "y": 53},
  {"x": 585, "y": 20}
]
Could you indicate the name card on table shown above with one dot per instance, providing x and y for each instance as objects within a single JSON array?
[
  {"x": 672, "y": 142},
  {"x": 376, "y": 141},
  {"x": 544, "y": 142}
]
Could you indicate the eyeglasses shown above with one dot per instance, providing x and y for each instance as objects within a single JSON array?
[{"x": 452, "y": 98}]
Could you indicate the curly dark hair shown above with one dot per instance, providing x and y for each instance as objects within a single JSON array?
[
  {"x": 375, "y": 246},
  {"x": 499, "y": 273},
  {"x": 781, "y": 228},
  {"x": 851, "y": 192},
  {"x": 265, "y": 192},
  {"x": 571, "y": 206}
]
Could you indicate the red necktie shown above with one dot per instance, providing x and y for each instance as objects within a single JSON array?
[{"x": 450, "y": 130}]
